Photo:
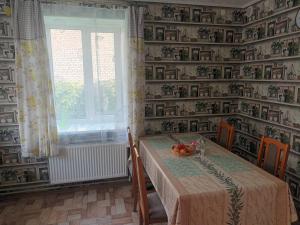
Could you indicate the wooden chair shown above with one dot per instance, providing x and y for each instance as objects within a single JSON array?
[
  {"x": 273, "y": 156},
  {"x": 225, "y": 135},
  {"x": 132, "y": 169},
  {"x": 151, "y": 209}
]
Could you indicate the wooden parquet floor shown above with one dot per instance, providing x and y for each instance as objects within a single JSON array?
[{"x": 99, "y": 204}]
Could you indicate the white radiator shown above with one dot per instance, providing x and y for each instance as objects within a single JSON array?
[{"x": 88, "y": 162}]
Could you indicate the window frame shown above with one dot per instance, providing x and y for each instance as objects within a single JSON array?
[{"x": 115, "y": 26}]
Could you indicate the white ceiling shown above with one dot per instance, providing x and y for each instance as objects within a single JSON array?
[{"x": 222, "y": 3}]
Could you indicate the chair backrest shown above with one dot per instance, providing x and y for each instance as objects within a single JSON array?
[
  {"x": 143, "y": 201},
  {"x": 272, "y": 156},
  {"x": 225, "y": 135},
  {"x": 134, "y": 167}
]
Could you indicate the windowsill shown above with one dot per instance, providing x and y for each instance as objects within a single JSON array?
[
  {"x": 66, "y": 133},
  {"x": 88, "y": 126},
  {"x": 90, "y": 137}
]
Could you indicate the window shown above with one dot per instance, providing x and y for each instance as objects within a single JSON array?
[{"x": 88, "y": 63}]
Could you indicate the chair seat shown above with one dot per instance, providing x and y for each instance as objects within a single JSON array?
[{"x": 156, "y": 209}]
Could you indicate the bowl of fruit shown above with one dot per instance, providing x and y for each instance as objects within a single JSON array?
[{"x": 183, "y": 149}]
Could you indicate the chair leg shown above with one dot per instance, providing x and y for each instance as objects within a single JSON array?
[
  {"x": 133, "y": 189},
  {"x": 140, "y": 217},
  {"x": 134, "y": 193},
  {"x": 135, "y": 201}
]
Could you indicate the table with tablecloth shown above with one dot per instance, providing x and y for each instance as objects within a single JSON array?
[{"x": 219, "y": 188}]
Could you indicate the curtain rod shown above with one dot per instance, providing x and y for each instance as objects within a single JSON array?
[
  {"x": 108, "y": 2},
  {"x": 98, "y": 2}
]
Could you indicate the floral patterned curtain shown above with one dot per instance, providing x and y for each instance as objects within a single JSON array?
[
  {"x": 136, "y": 82},
  {"x": 38, "y": 131}
]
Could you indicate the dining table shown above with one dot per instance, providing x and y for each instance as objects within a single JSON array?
[{"x": 215, "y": 187}]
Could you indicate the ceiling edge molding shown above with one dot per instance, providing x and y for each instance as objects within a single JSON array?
[
  {"x": 227, "y": 3},
  {"x": 251, "y": 3}
]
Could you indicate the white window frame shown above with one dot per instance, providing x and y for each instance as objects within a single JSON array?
[{"x": 103, "y": 26}]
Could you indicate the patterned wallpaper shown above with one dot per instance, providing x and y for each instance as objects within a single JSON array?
[{"x": 180, "y": 52}]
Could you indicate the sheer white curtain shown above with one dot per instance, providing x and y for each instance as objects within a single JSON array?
[{"x": 88, "y": 59}]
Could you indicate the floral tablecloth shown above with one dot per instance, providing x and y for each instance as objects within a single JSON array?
[{"x": 217, "y": 189}]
